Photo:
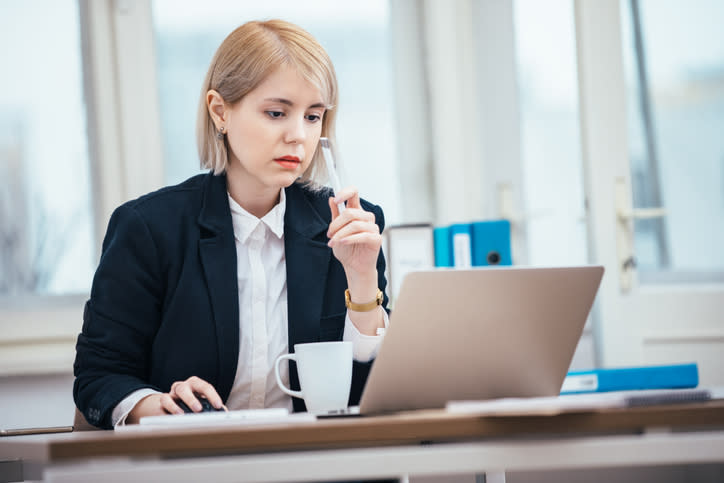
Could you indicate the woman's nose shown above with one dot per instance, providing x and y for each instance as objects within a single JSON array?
[{"x": 295, "y": 131}]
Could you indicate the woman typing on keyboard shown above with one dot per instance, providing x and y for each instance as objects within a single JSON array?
[{"x": 202, "y": 285}]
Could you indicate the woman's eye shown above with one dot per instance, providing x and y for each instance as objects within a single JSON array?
[
  {"x": 274, "y": 114},
  {"x": 313, "y": 117}
]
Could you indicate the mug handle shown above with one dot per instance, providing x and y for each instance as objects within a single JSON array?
[{"x": 281, "y": 385}]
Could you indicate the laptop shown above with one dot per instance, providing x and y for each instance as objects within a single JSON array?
[{"x": 480, "y": 333}]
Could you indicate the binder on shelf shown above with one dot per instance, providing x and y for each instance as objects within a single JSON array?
[
  {"x": 476, "y": 244},
  {"x": 491, "y": 243},
  {"x": 407, "y": 248},
  {"x": 676, "y": 376},
  {"x": 443, "y": 247}
]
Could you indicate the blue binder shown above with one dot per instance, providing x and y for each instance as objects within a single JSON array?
[
  {"x": 443, "y": 247},
  {"x": 677, "y": 376},
  {"x": 491, "y": 243}
]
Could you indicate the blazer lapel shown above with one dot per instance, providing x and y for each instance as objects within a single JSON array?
[
  {"x": 217, "y": 252},
  {"x": 307, "y": 260}
]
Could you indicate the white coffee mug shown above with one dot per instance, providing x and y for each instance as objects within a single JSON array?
[{"x": 325, "y": 374}]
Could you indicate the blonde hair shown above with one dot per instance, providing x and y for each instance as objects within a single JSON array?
[{"x": 243, "y": 60}]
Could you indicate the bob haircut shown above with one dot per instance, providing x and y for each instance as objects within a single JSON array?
[{"x": 243, "y": 60}]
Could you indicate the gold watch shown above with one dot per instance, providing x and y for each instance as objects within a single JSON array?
[{"x": 366, "y": 307}]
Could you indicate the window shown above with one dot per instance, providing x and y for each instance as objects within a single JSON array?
[
  {"x": 46, "y": 237},
  {"x": 356, "y": 36},
  {"x": 674, "y": 54},
  {"x": 48, "y": 247},
  {"x": 550, "y": 137}
]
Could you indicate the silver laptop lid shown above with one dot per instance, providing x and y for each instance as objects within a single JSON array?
[{"x": 480, "y": 333}]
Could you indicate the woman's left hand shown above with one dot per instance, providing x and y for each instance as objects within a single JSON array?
[{"x": 354, "y": 236}]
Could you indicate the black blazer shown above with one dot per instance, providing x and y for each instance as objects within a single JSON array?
[{"x": 164, "y": 301}]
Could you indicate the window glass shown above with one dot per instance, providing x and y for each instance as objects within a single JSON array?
[
  {"x": 674, "y": 54},
  {"x": 356, "y": 36},
  {"x": 46, "y": 240},
  {"x": 550, "y": 138}
]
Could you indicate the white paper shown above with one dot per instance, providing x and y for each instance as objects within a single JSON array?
[
  {"x": 579, "y": 402},
  {"x": 537, "y": 405}
]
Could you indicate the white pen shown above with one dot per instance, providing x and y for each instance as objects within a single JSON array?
[{"x": 331, "y": 171}]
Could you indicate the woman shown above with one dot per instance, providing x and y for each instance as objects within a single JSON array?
[{"x": 202, "y": 285}]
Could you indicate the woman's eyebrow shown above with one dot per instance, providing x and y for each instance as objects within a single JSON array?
[{"x": 289, "y": 103}]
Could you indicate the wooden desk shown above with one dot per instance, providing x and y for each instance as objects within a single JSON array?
[{"x": 421, "y": 442}]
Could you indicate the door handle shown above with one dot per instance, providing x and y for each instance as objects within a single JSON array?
[
  {"x": 641, "y": 214},
  {"x": 625, "y": 217}
]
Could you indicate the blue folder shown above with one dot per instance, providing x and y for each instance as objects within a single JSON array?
[
  {"x": 677, "y": 376},
  {"x": 489, "y": 243},
  {"x": 443, "y": 248}
]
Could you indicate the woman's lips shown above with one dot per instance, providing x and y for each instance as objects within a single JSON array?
[{"x": 288, "y": 162}]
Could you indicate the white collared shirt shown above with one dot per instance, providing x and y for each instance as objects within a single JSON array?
[
  {"x": 261, "y": 273},
  {"x": 263, "y": 333}
]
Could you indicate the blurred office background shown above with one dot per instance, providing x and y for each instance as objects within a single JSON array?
[{"x": 595, "y": 126}]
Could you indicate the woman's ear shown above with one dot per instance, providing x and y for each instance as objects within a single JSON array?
[{"x": 217, "y": 108}]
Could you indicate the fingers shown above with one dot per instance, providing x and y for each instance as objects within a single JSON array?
[
  {"x": 169, "y": 404},
  {"x": 357, "y": 231},
  {"x": 189, "y": 391},
  {"x": 347, "y": 216},
  {"x": 333, "y": 208},
  {"x": 352, "y": 220},
  {"x": 350, "y": 195}
]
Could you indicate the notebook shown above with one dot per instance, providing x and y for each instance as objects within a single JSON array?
[{"x": 480, "y": 333}]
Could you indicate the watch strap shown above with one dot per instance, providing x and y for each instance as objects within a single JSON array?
[{"x": 365, "y": 307}]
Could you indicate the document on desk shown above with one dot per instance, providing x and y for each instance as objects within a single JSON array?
[
  {"x": 548, "y": 406},
  {"x": 241, "y": 417}
]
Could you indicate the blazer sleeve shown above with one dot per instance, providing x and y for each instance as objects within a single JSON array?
[
  {"x": 120, "y": 320},
  {"x": 360, "y": 370}
]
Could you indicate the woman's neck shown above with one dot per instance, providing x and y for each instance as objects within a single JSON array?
[{"x": 257, "y": 200}]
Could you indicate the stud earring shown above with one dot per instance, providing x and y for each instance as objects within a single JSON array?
[{"x": 220, "y": 133}]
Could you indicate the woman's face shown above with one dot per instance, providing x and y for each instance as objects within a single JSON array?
[{"x": 273, "y": 132}]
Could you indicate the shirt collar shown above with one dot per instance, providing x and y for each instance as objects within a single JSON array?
[{"x": 245, "y": 223}]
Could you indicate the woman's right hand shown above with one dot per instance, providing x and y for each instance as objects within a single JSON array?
[{"x": 187, "y": 391}]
